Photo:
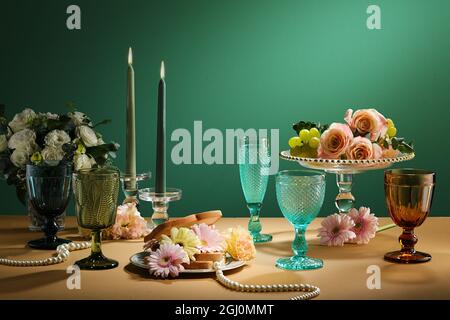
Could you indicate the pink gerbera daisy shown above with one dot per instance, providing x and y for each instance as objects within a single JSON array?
[
  {"x": 210, "y": 239},
  {"x": 336, "y": 230},
  {"x": 167, "y": 260},
  {"x": 366, "y": 225}
]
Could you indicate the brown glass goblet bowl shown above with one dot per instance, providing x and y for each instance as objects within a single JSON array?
[{"x": 408, "y": 194}]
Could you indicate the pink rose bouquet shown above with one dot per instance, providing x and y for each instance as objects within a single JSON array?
[{"x": 367, "y": 134}]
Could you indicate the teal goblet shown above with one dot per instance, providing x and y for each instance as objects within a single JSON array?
[
  {"x": 300, "y": 195},
  {"x": 254, "y": 165}
]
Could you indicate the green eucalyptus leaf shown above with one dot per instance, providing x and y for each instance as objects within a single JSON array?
[
  {"x": 395, "y": 143},
  {"x": 107, "y": 121},
  {"x": 405, "y": 148}
]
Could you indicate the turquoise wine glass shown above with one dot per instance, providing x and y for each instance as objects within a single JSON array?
[
  {"x": 254, "y": 165},
  {"x": 300, "y": 195}
]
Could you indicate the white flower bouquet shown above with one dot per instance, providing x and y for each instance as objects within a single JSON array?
[{"x": 41, "y": 138}]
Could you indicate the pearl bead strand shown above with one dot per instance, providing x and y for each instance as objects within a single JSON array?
[
  {"x": 62, "y": 253},
  {"x": 311, "y": 291}
]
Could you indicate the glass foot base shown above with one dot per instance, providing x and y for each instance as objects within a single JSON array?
[
  {"x": 44, "y": 244},
  {"x": 402, "y": 257},
  {"x": 299, "y": 263},
  {"x": 96, "y": 262},
  {"x": 260, "y": 238}
]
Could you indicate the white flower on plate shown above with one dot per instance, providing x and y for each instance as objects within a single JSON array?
[
  {"x": 22, "y": 120},
  {"x": 88, "y": 136},
  {"x": 79, "y": 118},
  {"x": 56, "y": 138},
  {"x": 19, "y": 158},
  {"x": 3, "y": 143},
  {"x": 52, "y": 154},
  {"x": 83, "y": 161},
  {"x": 23, "y": 140}
]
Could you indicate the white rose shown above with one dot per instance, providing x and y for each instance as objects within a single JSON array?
[
  {"x": 56, "y": 138},
  {"x": 19, "y": 158},
  {"x": 22, "y": 120},
  {"x": 52, "y": 154},
  {"x": 82, "y": 161},
  {"x": 24, "y": 139},
  {"x": 79, "y": 118},
  {"x": 3, "y": 143},
  {"x": 87, "y": 135}
]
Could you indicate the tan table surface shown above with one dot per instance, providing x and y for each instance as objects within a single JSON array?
[{"x": 343, "y": 276}]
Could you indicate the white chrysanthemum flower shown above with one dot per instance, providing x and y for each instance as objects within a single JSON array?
[
  {"x": 56, "y": 138},
  {"x": 49, "y": 115}
]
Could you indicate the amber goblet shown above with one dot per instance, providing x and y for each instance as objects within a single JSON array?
[{"x": 408, "y": 193}]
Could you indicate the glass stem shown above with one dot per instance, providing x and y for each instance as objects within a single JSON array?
[
  {"x": 344, "y": 200},
  {"x": 160, "y": 214},
  {"x": 254, "y": 225},
  {"x": 96, "y": 242},
  {"x": 299, "y": 245},
  {"x": 408, "y": 240},
  {"x": 50, "y": 229}
]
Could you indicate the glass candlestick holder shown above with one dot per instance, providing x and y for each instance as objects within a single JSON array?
[
  {"x": 130, "y": 185},
  {"x": 160, "y": 202}
]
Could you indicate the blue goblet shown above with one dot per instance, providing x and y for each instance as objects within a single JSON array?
[
  {"x": 300, "y": 195},
  {"x": 48, "y": 189}
]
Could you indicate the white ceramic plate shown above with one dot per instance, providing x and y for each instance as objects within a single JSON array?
[{"x": 228, "y": 264}]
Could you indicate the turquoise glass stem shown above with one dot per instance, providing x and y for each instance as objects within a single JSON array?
[
  {"x": 254, "y": 225},
  {"x": 300, "y": 245}
]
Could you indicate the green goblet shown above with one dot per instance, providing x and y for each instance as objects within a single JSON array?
[{"x": 96, "y": 192}]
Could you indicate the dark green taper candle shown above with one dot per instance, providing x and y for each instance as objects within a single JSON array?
[{"x": 160, "y": 174}]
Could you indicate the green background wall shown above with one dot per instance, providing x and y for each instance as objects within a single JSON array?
[{"x": 235, "y": 64}]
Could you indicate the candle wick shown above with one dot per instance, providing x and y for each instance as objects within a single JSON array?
[{"x": 163, "y": 70}]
